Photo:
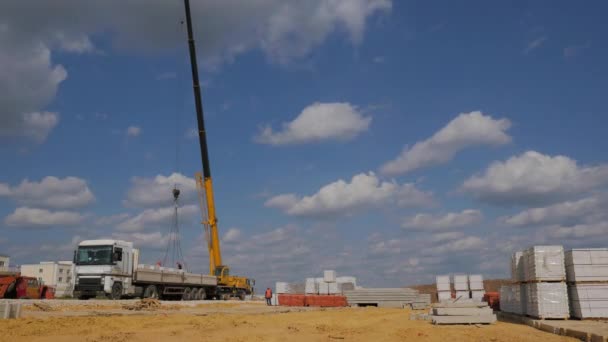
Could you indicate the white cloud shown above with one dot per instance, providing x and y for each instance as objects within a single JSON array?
[
  {"x": 282, "y": 30},
  {"x": 534, "y": 178},
  {"x": 379, "y": 59},
  {"x": 536, "y": 43},
  {"x": 465, "y": 218},
  {"x": 158, "y": 191},
  {"x": 340, "y": 197},
  {"x": 559, "y": 213},
  {"x": 156, "y": 217},
  {"x": 133, "y": 131},
  {"x": 145, "y": 240},
  {"x": 51, "y": 192},
  {"x": 597, "y": 229},
  {"x": 575, "y": 50},
  {"x": 25, "y": 217},
  {"x": 466, "y": 130},
  {"x": 446, "y": 236},
  {"x": 232, "y": 235},
  {"x": 318, "y": 122},
  {"x": 465, "y": 244},
  {"x": 110, "y": 220}
]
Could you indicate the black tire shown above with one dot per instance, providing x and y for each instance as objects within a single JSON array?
[
  {"x": 187, "y": 295},
  {"x": 242, "y": 295},
  {"x": 202, "y": 294},
  {"x": 116, "y": 291},
  {"x": 84, "y": 297},
  {"x": 151, "y": 292}
]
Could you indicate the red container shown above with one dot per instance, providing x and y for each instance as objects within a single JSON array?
[
  {"x": 291, "y": 300},
  {"x": 493, "y": 299},
  {"x": 326, "y": 301}
]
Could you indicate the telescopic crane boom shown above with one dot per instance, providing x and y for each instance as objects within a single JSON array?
[{"x": 229, "y": 285}]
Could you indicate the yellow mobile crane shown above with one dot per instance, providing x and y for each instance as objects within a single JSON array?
[{"x": 228, "y": 285}]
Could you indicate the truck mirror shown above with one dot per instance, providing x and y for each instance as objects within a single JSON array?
[{"x": 74, "y": 256}]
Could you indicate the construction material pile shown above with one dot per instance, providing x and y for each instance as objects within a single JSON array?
[
  {"x": 587, "y": 276},
  {"x": 465, "y": 287},
  {"x": 10, "y": 310},
  {"x": 147, "y": 304},
  {"x": 465, "y": 312},
  {"x": 387, "y": 298}
]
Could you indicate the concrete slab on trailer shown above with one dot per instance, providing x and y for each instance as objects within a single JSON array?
[
  {"x": 485, "y": 319},
  {"x": 470, "y": 304},
  {"x": 462, "y": 311},
  {"x": 146, "y": 275}
]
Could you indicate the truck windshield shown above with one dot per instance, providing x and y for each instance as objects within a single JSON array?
[{"x": 94, "y": 255}]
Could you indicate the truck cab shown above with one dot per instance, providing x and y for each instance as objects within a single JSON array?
[{"x": 104, "y": 267}]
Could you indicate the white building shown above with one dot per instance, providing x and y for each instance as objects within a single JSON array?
[
  {"x": 4, "y": 262},
  {"x": 59, "y": 275}
]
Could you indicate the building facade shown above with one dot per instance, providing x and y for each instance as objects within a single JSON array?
[
  {"x": 59, "y": 275},
  {"x": 4, "y": 262}
]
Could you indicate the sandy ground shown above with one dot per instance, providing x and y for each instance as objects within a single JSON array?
[{"x": 250, "y": 321}]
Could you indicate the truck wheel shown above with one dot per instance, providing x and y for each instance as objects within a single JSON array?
[
  {"x": 116, "y": 291},
  {"x": 187, "y": 294},
  {"x": 202, "y": 294},
  {"x": 151, "y": 292},
  {"x": 242, "y": 295}
]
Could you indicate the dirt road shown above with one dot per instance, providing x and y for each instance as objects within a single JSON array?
[{"x": 245, "y": 322}]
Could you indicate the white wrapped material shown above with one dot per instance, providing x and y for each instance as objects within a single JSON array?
[
  {"x": 311, "y": 286},
  {"x": 346, "y": 279},
  {"x": 274, "y": 301},
  {"x": 333, "y": 288},
  {"x": 475, "y": 282},
  {"x": 462, "y": 295},
  {"x": 544, "y": 263},
  {"x": 511, "y": 299},
  {"x": 588, "y": 300},
  {"x": 282, "y": 287},
  {"x": 444, "y": 295},
  {"x": 323, "y": 288},
  {"x": 461, "y": 282},
  {"x": 588, "y": 264},
  {"x": 517, "y": 266},
  {"x": 329, "y": 276},
  {"x": 477, "y": 295},
  {"x": 523, "y": 288},
  {"x": 443, "y": 282},
  {"x": 547, "y": 300}
]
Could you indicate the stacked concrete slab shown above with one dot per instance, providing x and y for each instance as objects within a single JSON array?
[
  {"x": 444, "y": 288},
  {"x": 423, "y": 301},
  {"x": 468, "y": 312},
  {"x": 476, "y": 287},
  {"x": 10, "y": 310},
  {"x": 540, "y": 273},
  {"x": 284, "y": 288},
  {"x": 330, "y": 284},
  {"x": 587, "y": 276},
  {"x": 461, "y": 286},
  {"x": 383, "y": 297},
  {"x": 511, "y": 299}
]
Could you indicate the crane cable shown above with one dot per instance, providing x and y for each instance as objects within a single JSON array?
[{"x": 173, "y": 248}]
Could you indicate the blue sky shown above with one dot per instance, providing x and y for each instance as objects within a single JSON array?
[{"x": 492, "y": 114}]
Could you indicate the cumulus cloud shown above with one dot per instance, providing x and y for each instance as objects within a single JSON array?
[
  {"x": 560, "y": 213},
  {"x": 156, "y": 217},
  {"x": 466, "y": 130},
  {"x": 145, "y": 240},
  {"x": 579, "y": 231},
  {"x": 465, "y": 244},
  {"x": 24, "y": 217},
  {"x": 534, "y": 178},
  {"x": 157, "y": 191},
  {"x": 535, "y": 44},
  {"x": 133, "y": 131},
  {"x": 282, "y": 30},
  {"x": 50, "y": 192},
  {"x": 318, "y": 122},
  {"x": 342, "y": 198},
  {"x": 110, "y": 220},
  {"x": 232, "y": 235},
  {"x": 465, "y": 218}
]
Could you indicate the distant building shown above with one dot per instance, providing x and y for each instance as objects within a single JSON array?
[
  {"x": 59, "y": 275},
  {"x": 4, "y": 262}
]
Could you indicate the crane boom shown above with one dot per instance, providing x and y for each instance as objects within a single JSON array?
[{"x": 215, "y": 255}]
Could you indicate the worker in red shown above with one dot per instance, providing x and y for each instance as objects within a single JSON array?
[{"x": 268, "y": 296}]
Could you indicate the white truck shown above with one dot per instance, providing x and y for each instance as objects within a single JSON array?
[{"x": 111, "y": 268}]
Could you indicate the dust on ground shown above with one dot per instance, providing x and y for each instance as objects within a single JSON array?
[{"x": 247, "y": 322}]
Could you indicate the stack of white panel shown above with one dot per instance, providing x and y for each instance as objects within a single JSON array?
[
  {"x": 589, "y": 300},
  {"x": 311, "y": 286},
  {"x": 544, "y": 263},
  {"x": 444, "y": 291},
  {"x": 475, "y": 282},
  {"x": 517, "y": 266},
  {"x": 510, "y": 299},
  {"x": 334, "y": 288},
  {"x": 329, "y": 276},
  {"x": 461, "y": 282},
  {"x": 589, "y": 264},
  {"x": 283, "y": 288},
  {"x": 547, "y": 300},
  {"x": 323, "y": 288}
]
